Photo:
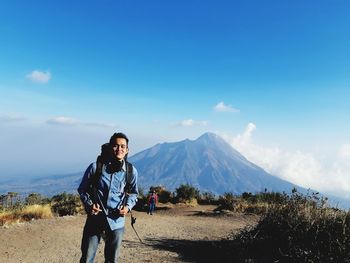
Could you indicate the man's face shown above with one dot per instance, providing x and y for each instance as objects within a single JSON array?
[{"x": 120, "y": 148}]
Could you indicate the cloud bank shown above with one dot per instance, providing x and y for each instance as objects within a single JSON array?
[{"x": 329, "y": 175}]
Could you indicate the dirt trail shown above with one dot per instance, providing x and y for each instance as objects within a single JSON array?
[{"x": 175, "y": 235}]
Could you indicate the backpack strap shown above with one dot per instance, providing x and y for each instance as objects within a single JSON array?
[
  {"x": 98, "y": 172},
  {"x": 97, "y": 175},
  {"x": 93, "y": 180},
  {"x": 129, "y": 172}
]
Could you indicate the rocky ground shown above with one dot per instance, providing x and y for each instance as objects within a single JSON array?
[{"x": 173, "y": 234}]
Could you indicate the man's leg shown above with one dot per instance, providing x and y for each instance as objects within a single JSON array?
[
  {"x": 152, "y": 208},
  {"x": 112, "y": 245},
  {"x": 91, "y": 239},
  {"x": 89, "y": 244}
]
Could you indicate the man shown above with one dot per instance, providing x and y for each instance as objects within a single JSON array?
[
  {"x": 152, "y": 202},
  {"x": 105, "y": 199}
]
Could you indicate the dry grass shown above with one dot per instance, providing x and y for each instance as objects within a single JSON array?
[
  {"x": 300, "y": 229},
  {"x": 244, "y": 206},
  {"x": 192, "y": 202},
  {"x": 7, "y": 218},
  {"x": 36, "y": 212},
  {"x": 26, "y": 213}
]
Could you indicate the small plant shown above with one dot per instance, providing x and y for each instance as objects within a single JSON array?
[
  {"x": 66, "y": 204},
  {"x": 208, "y": 198},
  {"x": 186, "y": 192},
  {"x": 34, "y": 199},
  {"x": 165, "y": 196},
  {"x": 227, "y": 202}
]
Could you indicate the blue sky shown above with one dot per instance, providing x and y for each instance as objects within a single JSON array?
[{"x": 271, "y": 77}]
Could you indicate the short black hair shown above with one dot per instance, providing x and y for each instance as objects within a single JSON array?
[{"x": 118, "y": 135}]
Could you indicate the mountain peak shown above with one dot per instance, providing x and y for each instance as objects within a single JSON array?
[
  {"x": 208, "y": 163},
  {"x": 213, "y": 140},
  {"x": 208, "y": 136}
]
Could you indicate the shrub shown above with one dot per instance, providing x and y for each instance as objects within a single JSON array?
[
  {"x": 272, "y": 198},
  {"x": 66, "y": 204},
  {"x": 302, "y": 229},
  {"x": 227, "y": 202},
  {"x": 247, "y": 196},
  {"x": 164, "y": 196},
  {"x": 208, "y": 198},
  {"x": 33, "y": 199},
  {"x": 186, "y": 192}
]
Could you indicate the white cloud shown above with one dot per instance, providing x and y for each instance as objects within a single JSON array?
[
  {"x": 190, "y": 122},
  {"x": 305, "y": 169},
  {"x": 65, "y": 121},
  {"x": 102, "y": 125},
  {"x": 222, "y": 107},
  {"x": 11, "y": 118},
  {"x": 245, "y": 138},
  {"x": 344, "y": 151},
  {"x": 39, "y": 76},
  {"x": 68, "y": 121}
]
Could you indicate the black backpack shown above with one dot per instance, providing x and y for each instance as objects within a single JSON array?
[{"x": 100, "y": 161}]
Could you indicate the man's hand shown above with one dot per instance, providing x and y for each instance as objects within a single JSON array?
[
  {"x": 123, "y": 210},
  {"x": 95, "y": 209}
]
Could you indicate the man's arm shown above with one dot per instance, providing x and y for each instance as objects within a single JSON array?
[{"x": 134, "y": 192}]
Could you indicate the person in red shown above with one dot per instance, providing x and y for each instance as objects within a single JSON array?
[{"x": 152, "y": 202}]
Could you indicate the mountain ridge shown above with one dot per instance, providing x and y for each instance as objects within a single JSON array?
[{"x": 208, "y": 163}]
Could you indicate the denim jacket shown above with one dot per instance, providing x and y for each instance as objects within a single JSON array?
[{"x": 110, "y": 193}]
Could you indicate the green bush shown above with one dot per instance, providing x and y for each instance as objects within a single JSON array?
[
  {"x": 208, "y": 198},
  {"x": 186, "y": 192},
  {"x": 66, "y": 204},
  {"x": 227, "y": 202},
  {"x": 164, "y": 196},
  {"x": 35, "y": 199}
]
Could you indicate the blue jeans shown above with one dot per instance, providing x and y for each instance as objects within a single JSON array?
[
  {"x": 152, "y": 206},
  {"x": 95, "y": 226}
]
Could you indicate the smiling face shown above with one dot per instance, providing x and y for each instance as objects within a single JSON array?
[{"x": 120, "y": 148}]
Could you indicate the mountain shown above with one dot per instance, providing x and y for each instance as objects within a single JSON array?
[{"x": 208, "y": 163}]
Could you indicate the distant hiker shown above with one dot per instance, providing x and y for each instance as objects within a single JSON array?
[
  {"x": 108, "y": 191},
  {"x": 152, "y": 202}
]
